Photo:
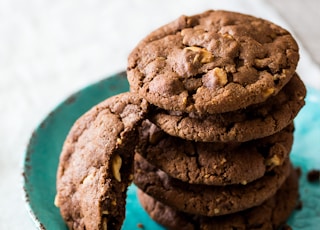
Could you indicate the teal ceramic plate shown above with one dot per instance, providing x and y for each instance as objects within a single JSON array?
[{"x": 42, "y": 156}]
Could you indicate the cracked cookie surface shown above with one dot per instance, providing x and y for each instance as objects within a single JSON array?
[
  {"x": 96, "y": 163},
  {"x": 269, "y": 215},
  {"x": 213, "y": 62},
  {"x": 207, "y": 200},
  {"x": 213, "y": 163},
  {"x": 256, "y": 121}
]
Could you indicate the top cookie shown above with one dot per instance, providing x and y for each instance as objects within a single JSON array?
[
  {"x": 213, "y": 62},
  {"x": 96, "y": 163}
]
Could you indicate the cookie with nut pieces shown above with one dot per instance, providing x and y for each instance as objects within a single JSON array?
[
  {"x": 207, "y": 200},
  {"x": 96, "y": 163},
  {"x": 214, "y": 163},
  {"x": 213, "y": 62},
  {"x": 270, "y": 215}
]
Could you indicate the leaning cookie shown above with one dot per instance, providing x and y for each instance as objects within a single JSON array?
[
  {"x": 256, "y": 121},
  {"x": 270, "y": 215},
  {"x": 213, "y": 163},
  {"x": 96, "y": 164},
  {"x": 213, "y": 62},
  {"x": 207, "y": 200}
]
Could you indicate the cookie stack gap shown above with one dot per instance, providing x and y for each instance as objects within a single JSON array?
[{"x": 214, "y": 152}]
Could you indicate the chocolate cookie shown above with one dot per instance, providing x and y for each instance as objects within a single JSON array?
[
  {"x": 213, "y": 62},
  {"x": 256, "y": 121},
  {"x": 96, "y": 164},
  {"x": 204, "y": 199},
  {"x": 269, "y": 215},
  {"x": 213, "y": 163}
]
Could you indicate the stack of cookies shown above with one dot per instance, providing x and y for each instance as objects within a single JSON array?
[
  {"x": 214, "y": 152},
  {"x": 210, "y": 116}
]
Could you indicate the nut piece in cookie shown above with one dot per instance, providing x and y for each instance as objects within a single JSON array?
[{"x": 96, "y": 163}]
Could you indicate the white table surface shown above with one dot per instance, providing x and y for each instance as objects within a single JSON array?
[{"x": 50, "y": 49}]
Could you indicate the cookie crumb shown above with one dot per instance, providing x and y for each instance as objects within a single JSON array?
[
  {"x": 140, "y": 226},
  {"x": 314, "y": 175},
  {"x": 286, "y": 227}
]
